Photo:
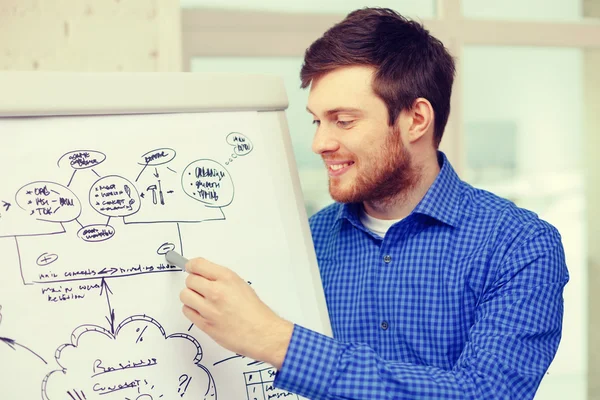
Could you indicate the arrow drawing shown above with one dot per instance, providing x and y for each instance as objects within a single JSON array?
[
  {"x": 110, "y": 271},
  {"x": 111, "y": 313},
  {"x": 12, "y": 343}
]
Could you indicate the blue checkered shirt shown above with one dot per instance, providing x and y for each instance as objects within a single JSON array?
[{"x": 462, "y": 299}]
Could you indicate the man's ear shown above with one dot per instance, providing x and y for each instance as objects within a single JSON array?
[{"x": 420, "y": 119}]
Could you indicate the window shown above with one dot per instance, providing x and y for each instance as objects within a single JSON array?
[
  {"x": 524, "y": 121},
  {"x": 523, "y": 110},
  {"x": 530, "y": 10}
]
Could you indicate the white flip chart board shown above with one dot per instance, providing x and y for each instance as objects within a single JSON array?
[{"x": 101, "y": 175}]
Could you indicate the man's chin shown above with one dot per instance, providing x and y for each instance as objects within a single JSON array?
[{"x": 343, "y": 196}]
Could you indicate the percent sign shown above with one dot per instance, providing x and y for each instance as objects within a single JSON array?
[{"x": 140, "y": 338}]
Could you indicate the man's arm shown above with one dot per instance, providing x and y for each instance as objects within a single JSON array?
[
  {"x": 226, "y": 308},
  {"x": 511, "y": 344}
]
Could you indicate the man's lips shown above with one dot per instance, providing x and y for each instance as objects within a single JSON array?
[{"x": 337, "y": 168}]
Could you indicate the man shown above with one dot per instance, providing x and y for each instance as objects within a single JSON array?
[{"x": 435, "y": 289}]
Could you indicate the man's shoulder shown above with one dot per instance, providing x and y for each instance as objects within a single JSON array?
[
  {"x": 515, "y": 237},
  {"x": 501, "y": 214},
  {"x": 325, "y": 218},
  {"x": 321, "y": 227}
]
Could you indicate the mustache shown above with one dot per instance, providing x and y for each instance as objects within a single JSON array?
[{"x": 337, "y": 158}]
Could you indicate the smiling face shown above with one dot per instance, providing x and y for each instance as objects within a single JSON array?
[{"x": 365, "y": 157}]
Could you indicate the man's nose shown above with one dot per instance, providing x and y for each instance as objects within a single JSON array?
[{"x": 324, "y": 141}]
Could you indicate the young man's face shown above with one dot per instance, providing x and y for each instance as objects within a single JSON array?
[{"x": 364, "y": 156}]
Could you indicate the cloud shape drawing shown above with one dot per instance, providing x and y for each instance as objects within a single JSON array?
[{"x": 136, "y": 362}]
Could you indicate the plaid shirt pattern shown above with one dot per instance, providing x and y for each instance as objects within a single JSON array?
[{"x": 462, "y": 299}]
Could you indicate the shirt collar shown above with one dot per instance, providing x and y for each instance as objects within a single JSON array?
[
  {"x": 443, "y": 197},
  {"x": 441, "y": 201}
]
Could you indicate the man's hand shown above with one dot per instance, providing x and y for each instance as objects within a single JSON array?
[{"x": 226, "y": 308}]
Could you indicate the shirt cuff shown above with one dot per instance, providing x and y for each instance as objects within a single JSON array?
[{"x": 310, "y": 364}]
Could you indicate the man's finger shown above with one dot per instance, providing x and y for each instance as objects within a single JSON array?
[
  {"x": 197, "y": 303},
  {"x": 195, "y": 317},
  {"x": 191, "y": 299},
  {"x": 198, "y": 284},
  {"x": 205, "y": 268}
]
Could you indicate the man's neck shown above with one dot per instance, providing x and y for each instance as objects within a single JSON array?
[{"x": 401, "y": 205}]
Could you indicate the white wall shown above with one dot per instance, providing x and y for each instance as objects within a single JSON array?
[{"x": 88, "y": 35}]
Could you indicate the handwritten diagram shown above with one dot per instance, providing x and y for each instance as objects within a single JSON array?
[
  {"x": 75, "y": 237},
  {"x": 159, "y": 194},
  {"x": 100, "y": 364}
]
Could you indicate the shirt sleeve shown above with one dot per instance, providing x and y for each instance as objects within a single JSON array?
[{"x": 513, "y": 340}]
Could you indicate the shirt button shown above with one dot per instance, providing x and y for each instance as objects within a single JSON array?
[
  {"x": 384, "y": 325},
  {"x": 387, "y": 259}
]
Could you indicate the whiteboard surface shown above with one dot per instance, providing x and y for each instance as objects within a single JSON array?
[{"x": 89, "y": 205}]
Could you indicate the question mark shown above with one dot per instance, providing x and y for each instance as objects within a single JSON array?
[{"x": 182, "y": 381}]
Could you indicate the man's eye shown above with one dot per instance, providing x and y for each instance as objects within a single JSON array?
[
  {"x": 316, "y": 122},
  {"x": 344, "y": 124}
]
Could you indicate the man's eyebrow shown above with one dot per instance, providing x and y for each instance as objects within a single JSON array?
[{"x": 338, "y": 110}]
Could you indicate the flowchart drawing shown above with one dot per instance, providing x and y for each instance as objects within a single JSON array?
[
  {"x": 124, "y": 207},
  {"x": 89, "y": 207},
  {"x": 134, "y": 358}
]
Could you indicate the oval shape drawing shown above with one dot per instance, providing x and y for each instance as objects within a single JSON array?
[
  {"x": 46, "y": 259},
  {"x": 240, "y": 142},
  {"x": 208, "y": 182},
  {"x": 49, "y": 201},
  {"x": 165, "y": 248},
  {"x": 114, "y": 196},
  {"x": 96, "y": 232},
  {"x": 158, "y": 156},
  {"x": 82, "y": 159}
]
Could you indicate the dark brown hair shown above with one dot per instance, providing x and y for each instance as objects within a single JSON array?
[{"x": 410, "y": 63}]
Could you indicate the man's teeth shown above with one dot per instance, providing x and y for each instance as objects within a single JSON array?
[{"x": 336, "y": 167}]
